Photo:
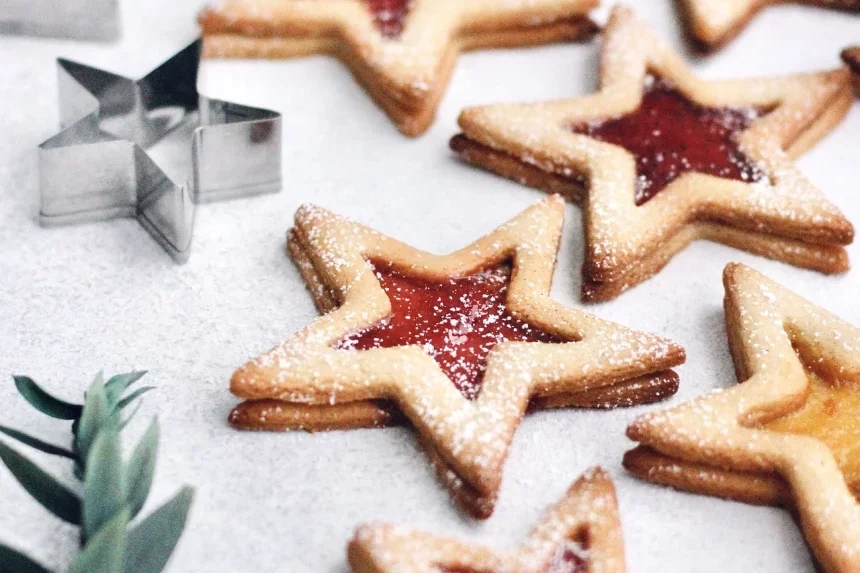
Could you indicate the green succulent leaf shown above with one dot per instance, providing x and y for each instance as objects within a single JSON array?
[
  {"x": 44, "y": 402},
  {"x": 128, "y": 418},
  {"x": 104, "y": 491},
  {"x": 36, "y": 443},
  {"x": 117, "y": 385},
  {"x": 44, "y": 488},
  {"x": 95, "y": 417},
  {"x": 113, "y": 492},
  {"x": 133, "y": 396},
  {"x": 140, "y": 469},
  {"x": 151, "y": 543},
  {"x": 106, "y": 551},
  {"x": 127, "y": 401},
  {"x": 11, "y": 560}
]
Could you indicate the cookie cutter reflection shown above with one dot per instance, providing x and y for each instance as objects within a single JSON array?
[{"x": 124, "y": 143}]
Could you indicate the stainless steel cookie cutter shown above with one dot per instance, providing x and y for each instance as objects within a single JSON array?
[
  {"x": 74, "y": 19},
  {"x": 102, "y": 165}
]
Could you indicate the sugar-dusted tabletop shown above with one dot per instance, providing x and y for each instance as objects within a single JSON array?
[{"x": 79, "y": 299}]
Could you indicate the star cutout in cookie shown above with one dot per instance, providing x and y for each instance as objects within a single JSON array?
[
  {"x": 460, "y": 344},
  {"x": 402, "y": 51},
  {"x": 787, "y": 435},
  {"x": 659, "y": 158},
  {"x": 713, "y": 23},
  {"x": 580, "y": 533}
]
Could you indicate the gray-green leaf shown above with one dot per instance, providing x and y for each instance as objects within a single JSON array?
[
  {"x": 106, "y": 551},
  {"x": 104, "y": 491},
  {"x": 11, "y": 560},
  {"x": 133, "y": 396},
  {"x": 95, "y": 417},
  {"x": 44, "y": 402},
  {"x": 53, "y": 495},
  {"x": 118, "y": 384},
  {"x": 36, "y": 443},
  {"x": 128, "y": 418},
  {"x": 140, "y": 469},
  {"x": 151, "y": 543}
]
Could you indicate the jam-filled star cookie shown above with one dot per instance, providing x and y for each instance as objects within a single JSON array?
[
  {"x": 460, "y": 345},
  {"x": 658, "y": 158},
  {"x": 713, "y": 23},
  {"x": 402, "y": 51},
  {"x": 788, "y": 434},
  {"x": 579, "y": 534}
]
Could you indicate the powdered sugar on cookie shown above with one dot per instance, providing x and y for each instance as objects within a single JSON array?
[
  {"x": 402, "y": 51},
  {"x": 573, "y": 357},
  {"x": 580, "y": 533},
  {"x": 735, "y": 183},
  {"x": 713, "y": 23},
  {"x": 787, "y": 434}
]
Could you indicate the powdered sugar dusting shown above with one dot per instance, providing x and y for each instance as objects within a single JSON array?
[
  {"x": 580, "y": 533},
  {"x": 627, "y": 243},
  {"x": 457, "y": 322},
  {"x": 403, "y": 46},
  {"x": 716, "y": 21},
  {"x": 669, "y": 135},
  {"x": 755, "y": 426},
  {"x": 472, "y": 436}
]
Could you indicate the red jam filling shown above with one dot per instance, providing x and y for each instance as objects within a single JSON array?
[
  {"x": 389, "y": 15},
  {"x": 670, "y": 135},
  {"x": 457, "y": 322},
  {"x": 568, "y": 559}
]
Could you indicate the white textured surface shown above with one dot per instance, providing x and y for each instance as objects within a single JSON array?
[{"x": 78, "y": 299}]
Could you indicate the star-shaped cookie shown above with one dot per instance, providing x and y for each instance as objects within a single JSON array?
[
  {"x": 659, "y": 158},
  {"x": 402, "y": 51},
  {"x": 788, "y": 434},
  {"x": 713, "y": 23},
  {"x": 460, "y": 344},
  {"x": 579, "y": 534}
]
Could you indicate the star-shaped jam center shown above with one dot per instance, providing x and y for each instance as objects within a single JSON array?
[
  {"x": 830, "y": 414},
  {"x": 389, "y": 15},
  {"x": 670, "y": 135},
  {"x": 457, "y": 322}
]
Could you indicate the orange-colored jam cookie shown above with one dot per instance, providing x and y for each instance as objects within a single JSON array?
[
  {"x": 788, "y": 434},
  {"x": 831, "y": 414}
]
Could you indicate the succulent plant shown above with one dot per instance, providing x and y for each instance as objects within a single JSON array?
[{"x": 113, "y": 490}]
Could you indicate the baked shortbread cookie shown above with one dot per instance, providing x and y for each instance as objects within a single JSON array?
[
  {"x": 659, "y": 158},
  {"x": 579, "y": 534},
  {"x": 459, "y": 345},
  {"x": 402, "y": 51},
  {"x": 788, "y": 435},
  {"x": 851, "y": 57},
  {"x": 713, "y": 23}
]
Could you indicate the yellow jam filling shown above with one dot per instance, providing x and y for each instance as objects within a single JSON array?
[{"x": 832, "y": 415}]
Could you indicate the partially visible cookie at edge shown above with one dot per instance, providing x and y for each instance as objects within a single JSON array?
[{"x": 402, "y": 51}]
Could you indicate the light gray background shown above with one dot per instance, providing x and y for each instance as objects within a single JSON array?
[{"x": 78, "y": 299}]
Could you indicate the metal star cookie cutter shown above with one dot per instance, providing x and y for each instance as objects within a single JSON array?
[
  {"x": 73, "y": 19},
  {"x": 102, "y": 165}
]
